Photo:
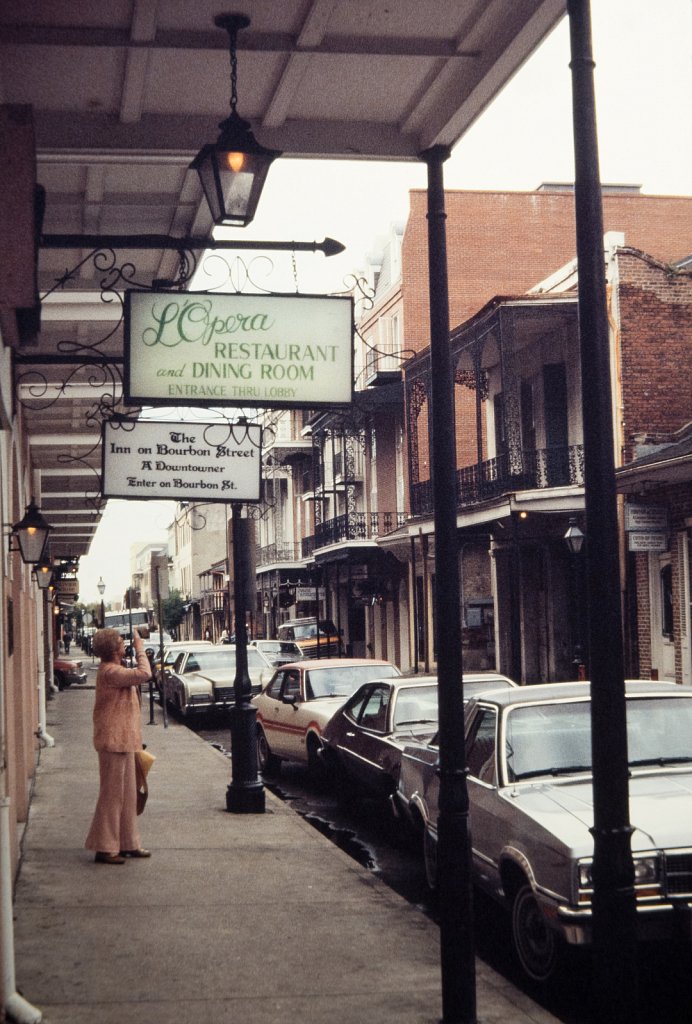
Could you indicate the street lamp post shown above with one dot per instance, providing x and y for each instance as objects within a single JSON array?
[
  {"x": 101, "y": 587},
  {"x": 245, "y": 793},
  {"x": 574, "y": 539},
  {"x": 614, "y": 919},
  {"x": 457, "y": 952}
]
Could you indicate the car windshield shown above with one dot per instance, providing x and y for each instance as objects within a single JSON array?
[
  {"x": 555, "y": 739},
  {"x": 472, "y": 687},
  {"x": 343, "y": 680},
  {"x": 416, "y": 705},
  {"x": 279, "y": 648},
  {"x": 221, "y": 660},
  {"x": 304, "y": 632}
]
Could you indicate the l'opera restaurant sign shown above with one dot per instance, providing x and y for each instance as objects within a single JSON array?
[
  {"x": 271, "y": 351},
  {"x": 215, "y": 461}
]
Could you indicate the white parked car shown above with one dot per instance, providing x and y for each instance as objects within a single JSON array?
[
  {"x": 528, "y": 754},
  {"x": 299, "y": 700},
  {"x": 279, "y": 651},
  {"x": 202, "y": 678}
]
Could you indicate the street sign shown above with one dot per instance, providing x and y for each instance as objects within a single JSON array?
[
  {"x": 247, "y": 350},
  {"x": 645, "y": 518},
  {"x": 654, "y": 541},
  {"x": 65, "y": 588},
  {"x": 184, "y": 461},
  {"x": 308, "y": 593}
]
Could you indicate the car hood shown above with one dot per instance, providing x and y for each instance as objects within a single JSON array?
[
  {"x": 660, "y": 809},
  {"x": 195, "y": 682},
  {"x": 223, "y": 677},
  {"x": 322, "y": 708}
]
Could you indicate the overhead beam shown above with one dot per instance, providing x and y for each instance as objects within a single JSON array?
[
  {"x": 65, "y": 440},
  {"x": 248, "y": 42}
]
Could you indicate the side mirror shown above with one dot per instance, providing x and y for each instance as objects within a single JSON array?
[{"x": 290, "y": 699}]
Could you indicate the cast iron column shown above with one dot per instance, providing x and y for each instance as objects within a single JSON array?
[
  {"x": 245, "y": 793},
  {"x": 454, "y": 841},
  {"x": 614, "y": 906}
]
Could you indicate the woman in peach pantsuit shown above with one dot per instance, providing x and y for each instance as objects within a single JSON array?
[{"x": 117, "y": 735}]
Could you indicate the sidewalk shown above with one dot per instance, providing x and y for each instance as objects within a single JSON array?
[{"x": 235, "y": 919}]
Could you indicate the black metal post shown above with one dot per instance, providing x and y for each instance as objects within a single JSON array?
[
  {"x": 318, "y": 576},
  {"x": 458, "y": 961},
  {"x": 414, "y": 605},
  {"x": 516, "y": 670},
  {"x": 245, "y": 793},
  {"x": 159, "y": 613},
  {"x": 614, "y": 905}
]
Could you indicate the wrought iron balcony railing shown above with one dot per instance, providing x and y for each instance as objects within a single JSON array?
[
  {"x": 536, "y": 469},
  {"x": 352, "y": 526},
  {"x": 272, "y": 553}
]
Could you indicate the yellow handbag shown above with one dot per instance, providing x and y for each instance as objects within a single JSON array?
[{"x": 143, "y": 762}]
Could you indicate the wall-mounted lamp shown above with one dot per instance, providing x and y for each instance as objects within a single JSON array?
[
  {"x": 574, "y": 538},
  {"x": 234, "y": 168},
  {"x": 43, "y": 571},
  {"x": 31, "y": 533}
]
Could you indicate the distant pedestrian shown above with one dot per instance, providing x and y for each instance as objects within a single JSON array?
[
  {"x": 114, "y": 834},
  {"x": 207, "y": 634},
  {"x": 67, "y": 640}
]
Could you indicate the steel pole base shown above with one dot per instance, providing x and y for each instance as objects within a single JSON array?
[
  {"x": 245, "y": 799},
  {"x": 245, "y": 792}
]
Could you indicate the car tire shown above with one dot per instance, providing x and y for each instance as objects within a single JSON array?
[
  {"x": 269, "y": 763},
  {"x": 535, "y": 943},
  {"x": 316, "y": 765},
  {"x": 60, "y": 681}
]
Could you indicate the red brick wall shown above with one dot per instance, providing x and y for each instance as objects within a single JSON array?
[
  {"x": 656, "y": 348},
  {"x": 503, "y": 243}
]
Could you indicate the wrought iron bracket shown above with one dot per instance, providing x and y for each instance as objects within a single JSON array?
[{"x": 328, "y": 246}]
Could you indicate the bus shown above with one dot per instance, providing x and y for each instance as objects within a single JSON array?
[{"x": 141, "y": 619}]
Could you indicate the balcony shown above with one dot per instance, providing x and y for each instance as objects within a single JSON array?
[
  {"x": 537, "y": 469},
  {"x": 272, "y": 554},
  {"x": 344, "y": 473},
  {"x": 356, "y": 526}
]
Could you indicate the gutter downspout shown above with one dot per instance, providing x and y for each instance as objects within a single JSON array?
[
  {"x": 16, "y": 1007},
  {"x": 44, "y": 675}
]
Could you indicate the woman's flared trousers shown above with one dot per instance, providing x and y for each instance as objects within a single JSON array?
[{"x": 114, "y": 825}]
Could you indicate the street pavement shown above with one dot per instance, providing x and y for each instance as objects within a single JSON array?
[{"x": 235, "y": 919}]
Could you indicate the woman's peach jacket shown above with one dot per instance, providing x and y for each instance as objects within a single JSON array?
[{"x": 117, "y": 715}]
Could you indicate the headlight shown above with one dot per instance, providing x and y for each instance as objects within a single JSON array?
[
  {"x": 646, "y": 872},
  {"x": 585, "y": 874}
]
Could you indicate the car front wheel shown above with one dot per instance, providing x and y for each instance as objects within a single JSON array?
[
  {"x": 316, "y": 766},
  {"x": 535, "y": 944},
  {"x": 60, "y": 681},
  {"x": 268, "y": 763}
]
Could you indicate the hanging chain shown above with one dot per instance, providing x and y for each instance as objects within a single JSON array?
[
  {"x": 295, "y": 269},
  {"x": 182, "y": 270},
  {"x": 233, "y": 36}
]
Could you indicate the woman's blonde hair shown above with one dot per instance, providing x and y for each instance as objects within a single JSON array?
[{"x": 106, "y": 643}]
